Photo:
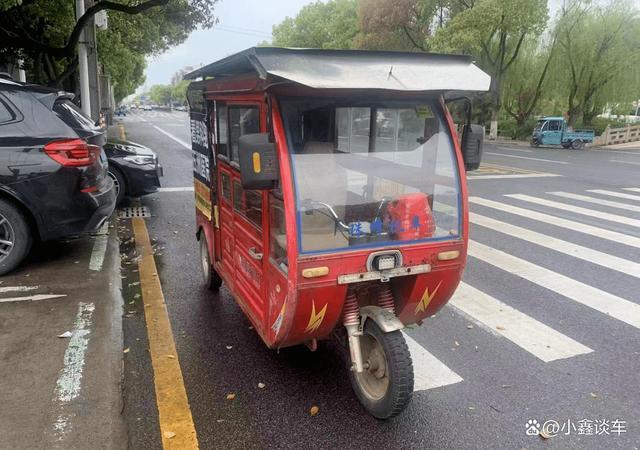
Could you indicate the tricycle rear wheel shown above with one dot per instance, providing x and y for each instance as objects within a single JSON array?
[
  {"x": 577, "y": 144},
  {"x": 211, "y": 278},
  {"x": 385, "y": 386}
]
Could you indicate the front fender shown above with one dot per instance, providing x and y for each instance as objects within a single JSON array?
[{"x": 385, "y": 319}]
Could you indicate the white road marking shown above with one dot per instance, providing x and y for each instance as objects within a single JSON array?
[
  {"x": 576, "y": 209},
  {"x": 625, "y": 162},
  {"x": 603, "y": 233},
  {"x": 512, "y": 175},
  {"x": 582, "y": 293},
  {"x": 568, "y": 248},
  {"x": 176, "y": 189},
  {"x": 596, "y": 201},
  {"x": 533, "y": 336},
  {"x": 526, "y": 157},
  {"x": 615, "y": 194},
  {"x": 178, "y": 140},
  {"x": 31, "y": 298},
  {"x": 69, "y": 382},
  {"x": 515, "y": 149},
  {"x": 18, "y": 288},
  {"x": 632, "y": 189},
  {"x": 428, "y": 371},
  {"x": 99, "y": 248}
]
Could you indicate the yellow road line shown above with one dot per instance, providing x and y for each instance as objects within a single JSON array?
[
  {"x": 176, "y": 424},
  {"x": 123, "y": 135}
]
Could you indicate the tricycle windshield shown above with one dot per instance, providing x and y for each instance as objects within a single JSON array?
[
  {"x": 539, "y": 124},
  {"x": 371, "y": 174}
]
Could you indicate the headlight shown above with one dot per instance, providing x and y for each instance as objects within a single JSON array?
[{"x": 141, "y": 160}]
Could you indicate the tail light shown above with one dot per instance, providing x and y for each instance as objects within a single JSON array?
[{"x": 72, "y": 152}]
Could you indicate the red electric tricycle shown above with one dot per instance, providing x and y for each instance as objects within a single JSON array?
[{"x": 331, "y": 197}]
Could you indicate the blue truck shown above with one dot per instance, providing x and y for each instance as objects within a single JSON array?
[{"x": 554, "y": 131}]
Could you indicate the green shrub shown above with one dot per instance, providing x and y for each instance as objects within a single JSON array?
[
  {"x": 600, "y": 123},
  {"x": 509, "y": 128}
]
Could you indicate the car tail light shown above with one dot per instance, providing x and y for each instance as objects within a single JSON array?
[{"x": 72, "y": 152}]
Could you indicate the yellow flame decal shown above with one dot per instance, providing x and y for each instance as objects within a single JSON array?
[
  {"x": 316, "y": 319},
  {"x": 426, "y": 299}
]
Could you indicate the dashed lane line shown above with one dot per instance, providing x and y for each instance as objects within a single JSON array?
[
  {"x": 31, "y": 298},
  {"x": 177, "y": 139},
  {"x": 176, "y": 423},
  {"x": 526, "y": 157}
]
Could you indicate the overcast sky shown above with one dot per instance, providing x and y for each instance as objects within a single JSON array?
[{"x": 243, "y": 23}]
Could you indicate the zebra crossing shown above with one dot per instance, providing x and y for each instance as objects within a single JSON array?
[{"x": 499, "y": 317}]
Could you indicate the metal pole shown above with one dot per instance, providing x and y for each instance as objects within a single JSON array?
[{"x": 83, "y": 65}]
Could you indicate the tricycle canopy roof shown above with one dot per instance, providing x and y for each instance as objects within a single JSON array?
[{"x": 353, "y": 69}]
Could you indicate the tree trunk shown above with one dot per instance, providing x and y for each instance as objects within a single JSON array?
[{"x": 493, "y": 129}]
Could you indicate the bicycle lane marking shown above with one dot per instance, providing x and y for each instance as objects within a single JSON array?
[{"x": 176, "y": 423}]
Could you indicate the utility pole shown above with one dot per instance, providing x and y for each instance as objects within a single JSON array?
[{"x": 83, "y": 64}]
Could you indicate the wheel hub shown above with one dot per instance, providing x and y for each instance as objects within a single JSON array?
[{"x": 6, "y": 237}]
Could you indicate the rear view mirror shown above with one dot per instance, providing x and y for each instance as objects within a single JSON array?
[
  {"x": 258, "y": 161},
  {"x": 472, "y": 141}
]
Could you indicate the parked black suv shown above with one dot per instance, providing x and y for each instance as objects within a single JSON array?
[{"x": 53, "y": 170}]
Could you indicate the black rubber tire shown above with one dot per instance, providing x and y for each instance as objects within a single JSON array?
[
  {"x": 399, "y": 369},
  {"x": 577, "y": 144},
  {"x": 211, "y": 278},
  {"x": 22, "y": 236},
  {"x": 117, "y": 176},
  {"x": 567, "y": 146},
  {"x": 534, "y": 144}
]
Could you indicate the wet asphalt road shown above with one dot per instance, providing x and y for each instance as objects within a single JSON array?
[{"x": 503, "y": 385}]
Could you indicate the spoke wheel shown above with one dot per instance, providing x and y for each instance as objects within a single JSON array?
[
  {"x": 7, "y": 237},
  {"x": 385, "y": 386},
  {"x": 118, "y": 184}
]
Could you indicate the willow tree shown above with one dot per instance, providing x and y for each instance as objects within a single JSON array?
[
  {"x": 599, "y": 48},
  {"x": 494, "y": 31}
]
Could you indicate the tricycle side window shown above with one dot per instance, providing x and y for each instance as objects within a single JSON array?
[
  {"x": 277, "y": 232},
  {"x": 372, "y": 174},
  {"x": 248, "y": 204},
  {"x": 555, "y": 125},
  {"x": 222, "y": 130},
  {"x": 242, "y": 120}
]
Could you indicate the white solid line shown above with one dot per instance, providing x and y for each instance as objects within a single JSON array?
[
  {"x": 625, "y": 162},
  {"x": 99, "y": 248},
  {"x": 526, "y": 157},
  {"x": 603, "y": 233},
  {"x": 533, "y": 336},
  {"x": 18, "y": 288},
  {"x": 69, "y": 381},
  {"x": 596, "y": 201},
  {"x": 513, "y": 175},
  {"x": 568, "y": 248},
  {"x": 515, "y": 149},
  {"x": 615, "y": 194},
  {"x": 576, "y": 209},
  {"x": 178, "y": 140},
  {"x": 428, "y": 371},
  {"x": 595, "y": 298},
  {"x": 632, "y": 189},
  {"x": 32, "y": 298},
  {"x": 176, "y": 189}
]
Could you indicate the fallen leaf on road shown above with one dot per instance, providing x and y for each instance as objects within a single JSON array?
[
  {"x": 314, "y": 411},
  {"x": 594, "y": 395},
  {"x": 136, "y": 296},
  {"x": 134, "y": 283},
  {"x": 472, "y": 408},
  {"x": 261, "y": 385},
  {"x": 169, "y": 434},
  {"x": 251, "y": 328},
  {"x": 229, "y": 347},
  {"x": 499, "y": 327},
  {"x": 66, "y": 334},
  {"x": 171, "y": 357},
  {"x": 126, "y": 350},
  {"x": 469, "y": 326},
  {"x": 231, "y": 396},
  {"x": 457, "y": 343},
  {"x": 506, "y": 386}
]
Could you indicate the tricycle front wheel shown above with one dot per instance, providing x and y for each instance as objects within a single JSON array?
[
  {"x": 211, "y": 278},
  {"x": 385, "y": 386}
]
